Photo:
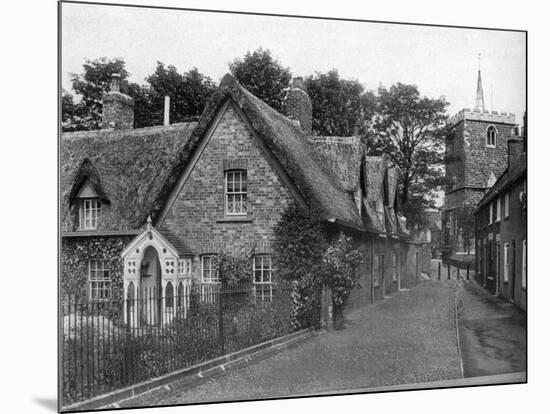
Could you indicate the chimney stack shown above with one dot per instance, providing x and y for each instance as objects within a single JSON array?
[
  {"x": 298, "y": 104},
  {"x": 166, "y": 110},
  {"x": 118, "y": 107},
  {"x": 515, "y": 150}
]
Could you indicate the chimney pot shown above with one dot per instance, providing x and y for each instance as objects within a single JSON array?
[
  {"x": 298, "y": 82},
  {"x": 115, "y": 82},
  {"x": 118, "y": 107},
  {"x": 167, "y": 110}
]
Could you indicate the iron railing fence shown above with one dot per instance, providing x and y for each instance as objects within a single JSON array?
[{"x": 107, "y": 345}]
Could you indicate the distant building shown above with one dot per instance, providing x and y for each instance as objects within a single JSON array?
[
  {"x": 501, "y": 229},
  {"x": 476, "y": 154}
]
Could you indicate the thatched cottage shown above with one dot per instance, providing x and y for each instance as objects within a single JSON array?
[{"x": 151, "y": 207}]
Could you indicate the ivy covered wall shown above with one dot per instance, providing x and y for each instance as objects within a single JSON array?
[{"x": 75, "y": 255}]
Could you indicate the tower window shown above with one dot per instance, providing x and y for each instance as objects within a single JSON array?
[{"x": 491, "y": 136}]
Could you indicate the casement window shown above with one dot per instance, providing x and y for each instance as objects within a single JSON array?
[
  {"x": 524, "y": 265},
  {"x": 491, "y": 213},
  {"x": 506, "y": 261},
  {"x": 88, "y": 213},
  {"x": 506, "y": 205},
  {"x": 262, "y": 270},
  {"x": 99, "y": 278},
  {"x": 235, "y": 192},
  {"x": 491, "y": 136},
  {"x": 498, "y": 211},
  {"x": 209, "y": 273}
]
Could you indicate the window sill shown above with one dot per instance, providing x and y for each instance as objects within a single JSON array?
[{"x": 235, "y": 219}]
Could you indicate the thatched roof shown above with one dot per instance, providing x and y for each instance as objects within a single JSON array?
[
  {"x": 507, "y": 178},
  {"x": 132, "y": 168},
  {"x": 289, "y": 145},
  {"x": 342, "y": 158}
]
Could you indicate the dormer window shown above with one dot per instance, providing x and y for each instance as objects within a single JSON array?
[
  {"x": 88, "y": 213},
  {"x": 491, "y": 136}
]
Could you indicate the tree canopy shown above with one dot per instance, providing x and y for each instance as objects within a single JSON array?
[
  {"x": 410, "y": 129},
  {"x": 264, "y": 76},
  {"x": 340, "y": 107},
  {"x": 189, "y": 92}
]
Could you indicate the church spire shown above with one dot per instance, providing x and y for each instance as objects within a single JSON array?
[{"x": 480, "y": 103}]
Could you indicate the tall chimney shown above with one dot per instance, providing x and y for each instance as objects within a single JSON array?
[
  {"x": 515, "y": 150},
  {"x": 298, "y": 104},
  {"x": 166, "y": 110},
  {"x": 118, "y": 107}
]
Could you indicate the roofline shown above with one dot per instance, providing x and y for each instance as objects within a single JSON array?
[
  {"x": 100, "y": 233},
  {"x": 484, "y": 201}
]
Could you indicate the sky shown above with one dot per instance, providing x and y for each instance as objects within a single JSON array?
[{"x": 440, "y": 61}]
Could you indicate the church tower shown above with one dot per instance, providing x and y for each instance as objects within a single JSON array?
[{"x": 476, "y": 155}]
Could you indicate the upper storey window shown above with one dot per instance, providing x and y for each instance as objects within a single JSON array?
[
  {"x": 235, "y": 192},
  {"x": 491, "y": 136},
  {"x": 89, "y": 213},
  {"x": 89, "y": 207}
]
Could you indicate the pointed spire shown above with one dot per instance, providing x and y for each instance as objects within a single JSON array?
[{"x": 480, "y": 103}]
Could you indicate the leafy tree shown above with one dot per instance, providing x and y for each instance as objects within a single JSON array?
[
  {"x": 410, "y": 129},
  {"x": 339, "y": 105},
  {"x": 188, "y": 93},
  {"x": 465, "y": 216},
  {"x": 263, "y": 76}
]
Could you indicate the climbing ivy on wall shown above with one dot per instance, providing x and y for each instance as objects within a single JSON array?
[
  {"x": 310, "y": 255},
  {"x": 75, "y": 254}
]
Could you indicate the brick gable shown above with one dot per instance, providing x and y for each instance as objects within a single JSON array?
[{"x": 196, "y": 221}]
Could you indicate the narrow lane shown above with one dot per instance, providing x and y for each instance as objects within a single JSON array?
[{"x": 406, "y": 339}]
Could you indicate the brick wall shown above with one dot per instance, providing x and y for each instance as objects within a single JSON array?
[
  {"x": 197, "y": 216},
  {"x": 118, "y": 111},
  {"x": 298, "y": 107},
  {"x": 489, "y": 236}
]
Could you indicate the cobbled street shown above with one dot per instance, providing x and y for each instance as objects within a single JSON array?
[{"x": 408, "y": 338}]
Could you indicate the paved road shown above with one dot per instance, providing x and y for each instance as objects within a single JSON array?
[
  {"x": 409, "y": 338},
  {"x": 492, "y": 333}
]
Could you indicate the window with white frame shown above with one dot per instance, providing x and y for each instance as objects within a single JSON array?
[
  {"x": 88, "y": 213},
  {"x": 491, "y": 136},
  {"x": 506, "y": 261},
  {"x": 209, "y": 273},
  {"x": 491, "y": 213},
  {"x": 498, "y": 210},
  {"x": 235, "y": 192},
  {"x": 506, "y": 205},
  {"x": 262, "y": 269},
  {"x": 524, "y": 265},
  {"x": 99, "y": 278}
]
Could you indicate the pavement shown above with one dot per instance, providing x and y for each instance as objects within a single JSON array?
[
  {"x": 493, "y": 332},
  {"x": 410, "y": 338}
]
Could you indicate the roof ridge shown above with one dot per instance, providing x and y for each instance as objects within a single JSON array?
[{"x": 132, "y": 131}]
